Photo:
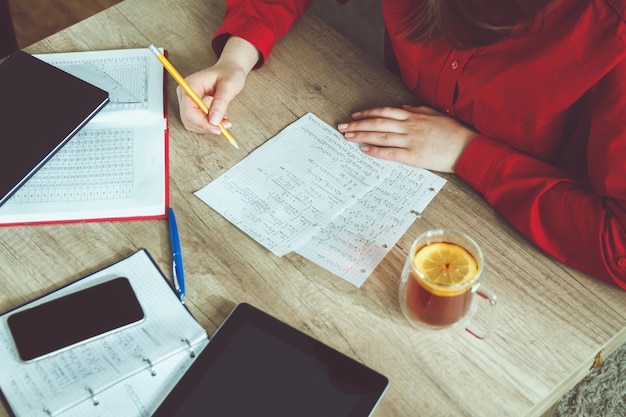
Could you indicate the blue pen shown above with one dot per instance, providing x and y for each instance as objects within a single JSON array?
[{"x": 177, "y": 257}]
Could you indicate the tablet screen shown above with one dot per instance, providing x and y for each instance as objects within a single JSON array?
[
  {"x": 258, "y": 366},
  {"x": 41, "y": 108}
]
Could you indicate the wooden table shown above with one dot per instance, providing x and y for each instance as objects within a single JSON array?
[{"x": 552, "y": 320}]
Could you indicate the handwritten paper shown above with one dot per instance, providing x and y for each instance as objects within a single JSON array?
[
  {"x": 354, "y": 243},
  {"x": 310, "y": 191},
  {"x": 286, "y": 190}
]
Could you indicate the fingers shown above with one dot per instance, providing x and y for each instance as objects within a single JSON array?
[
  {"x": 218, "y": 86},
  {"x": 414, "y": 135},
  {"x": 379, "y": 125},
  {"x": 385, "y": 119},
  {"x": 421, "y": 109},
  {"x": 387, "y": 132},
  {"x": 225, "y": 92},
  {"x": 218, "y": 109},
  {"x": 400, "y": 114},
  {"x": 383, "y": 126},
  {"x": 382, "y": 112},
  {"x": 401, "y": 155},
  {"x": 192, "y": 117},
  {"x": 387, "y": 139}
]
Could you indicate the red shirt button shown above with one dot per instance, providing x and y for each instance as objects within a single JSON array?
[
  {"x": 454, "y": 65},
  {"x": 622, "y": 262},
  {"x": 449, "y": 110}
]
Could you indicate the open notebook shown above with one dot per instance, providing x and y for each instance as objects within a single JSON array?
[
  {"x": 125, "y": 373},
  {"x": 116, "y": 166}
]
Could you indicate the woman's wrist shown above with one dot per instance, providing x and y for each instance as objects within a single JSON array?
[{"x": 240, "y": 53}]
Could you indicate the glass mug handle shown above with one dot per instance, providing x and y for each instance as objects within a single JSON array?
[{"x": 490, "y": 296}]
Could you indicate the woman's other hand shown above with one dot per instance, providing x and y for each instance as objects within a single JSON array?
[{"x": 414, "y": 135}]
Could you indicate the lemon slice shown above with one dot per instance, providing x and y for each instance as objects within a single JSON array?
[{"x": 445, "y": 263}]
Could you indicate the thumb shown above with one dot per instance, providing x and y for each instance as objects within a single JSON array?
[
  {"x": 219, "y": 104},
  {"x": 217, "y": 110}
]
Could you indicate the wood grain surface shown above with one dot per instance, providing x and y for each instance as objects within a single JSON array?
[
  {"x": 551, "y": 320},
  {"x": 38, "y": 19}
]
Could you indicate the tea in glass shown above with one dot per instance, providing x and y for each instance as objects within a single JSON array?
[{"x": 440, "y": 278}]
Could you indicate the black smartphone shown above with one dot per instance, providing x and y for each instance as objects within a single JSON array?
[{"x": 74, "y": 318}]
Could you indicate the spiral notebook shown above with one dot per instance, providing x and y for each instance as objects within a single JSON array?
[{"x": 125, "y": 373}]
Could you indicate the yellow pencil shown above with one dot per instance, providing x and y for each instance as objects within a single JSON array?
[{"x": 192, "y": 94}]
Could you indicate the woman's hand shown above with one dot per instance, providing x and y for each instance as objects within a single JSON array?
[
  {"x": 418, "y": 136},
  {"x": 217, "y": 86}
]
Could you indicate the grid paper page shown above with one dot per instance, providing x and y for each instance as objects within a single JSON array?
[
  {"x": 126, "y": 76},
  {"x": 94, "y": 165}
]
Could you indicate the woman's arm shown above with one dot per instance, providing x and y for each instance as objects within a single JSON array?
[
  {"x": 580, "y": 222},
  {"x": 243, "y": 42}
]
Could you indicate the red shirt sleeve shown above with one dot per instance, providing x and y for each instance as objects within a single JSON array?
[
  {"x": 579, "y": 222},
  {"x": 260, "y": 22}
]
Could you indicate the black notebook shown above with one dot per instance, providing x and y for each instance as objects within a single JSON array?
[{"x": 41, "y": 108}]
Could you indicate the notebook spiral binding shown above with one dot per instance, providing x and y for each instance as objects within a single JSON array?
[
  {"x": 152, "y": 371},
  {"x": 92, "y": 394},
  {"x": 192, "y": 354}
]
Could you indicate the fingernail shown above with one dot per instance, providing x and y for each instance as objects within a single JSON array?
[
  {"x": 357, "y": 114},
  {"x": 342, "y": 126},
  {"x": 215, "y": 118},
  {"x": 349, "y": 135},
  {"x": 365, "y": 148}
]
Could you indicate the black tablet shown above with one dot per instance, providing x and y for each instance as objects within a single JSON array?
[
  {"x": 41, "y": 108},
  {"x": 256, "y": 365}
]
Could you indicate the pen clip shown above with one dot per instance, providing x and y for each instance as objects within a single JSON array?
[
  {"x": 175, "y": 277},
  {"x": 179, "y": 291}
]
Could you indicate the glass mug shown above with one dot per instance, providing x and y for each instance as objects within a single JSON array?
[{"x": 440, "y": 279}]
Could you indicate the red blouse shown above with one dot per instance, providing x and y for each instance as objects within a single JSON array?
[{"x": 550, "y": 108}]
